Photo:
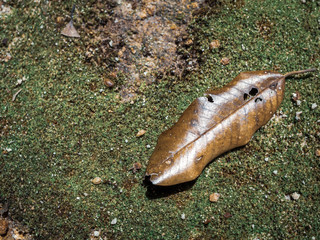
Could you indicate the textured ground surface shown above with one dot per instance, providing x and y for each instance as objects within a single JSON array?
[{"x": 65, "y": 127}]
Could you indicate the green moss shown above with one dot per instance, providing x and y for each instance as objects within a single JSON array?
[{"x": 63, "y": 132}]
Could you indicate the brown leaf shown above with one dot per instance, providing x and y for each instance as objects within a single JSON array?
[
  {"x": 215, "y": 123},
  {"x": 227, "y": 215},
  {"x": 70, "y": 30}
]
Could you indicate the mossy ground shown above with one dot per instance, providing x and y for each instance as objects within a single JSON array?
[{"x": 63, "y": 132}]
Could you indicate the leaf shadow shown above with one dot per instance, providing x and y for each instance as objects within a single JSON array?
[{"x": 155, "y": 192}]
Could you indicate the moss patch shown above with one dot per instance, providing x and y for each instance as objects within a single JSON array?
[{"x": 65, "y": 128}]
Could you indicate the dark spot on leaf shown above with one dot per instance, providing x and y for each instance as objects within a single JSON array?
[
  {"x": 246, "y": 96},
  {"x": 227, "y": 215},
  {"x": 253, "y": 91},
  {"x": 210, "y": 99},
  {"x": 258, "y": 99},
  {"x": 273, "y": 85}
]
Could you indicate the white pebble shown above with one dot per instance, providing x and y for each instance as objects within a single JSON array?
[
  {"x": 183, "y": 216},
  {"x": 287, "y": 197},
  {"x": 313, "y": 106},
  {"x": 295, "y": 196},
  {"x": 114, "y": 221},
  {"x": 266, "y": 159},
  {"x": 96, "y": 233},
  {"x": 275, "y": 172},
  {"x": 298, "y": 115},
  {"x": 148, "y": 146},
  {"x": 298, "y": 102},
  {"x": 8, "y": 150}
]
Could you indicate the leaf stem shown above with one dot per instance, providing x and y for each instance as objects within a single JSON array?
[
  {"x": 298, "y": 72},
  {"x": 72, "y": 11}
]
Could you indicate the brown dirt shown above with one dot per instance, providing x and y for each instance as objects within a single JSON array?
[{"x": 139, "y": 39}]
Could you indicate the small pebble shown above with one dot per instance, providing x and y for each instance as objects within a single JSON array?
[
  {"x": 298, "y": 115},
  {"x": 295, "y": 196},
  {"x": 141, "y": 133},
  {"x": 136, "y": 166},
  {"x": 114, "y": 221},
  {"x": 108, "y": 83},
  {"x": 214, "y": 44},
  {"x": 189, "y": 42},
  {"x": 298, "y": 102},
  {"x": 60, "y": 20},
  {"x": 266, "y": 159},
  {"x": 148, "y": 146},
  {"x": 287, "y": 197},
  {"x": 183, "y": 216},
  {"x": 275, "y": 172},
  {"x": 314, "y": 106},
  {"x": 8, "y": 150},
  {"x": 96, "y": 180},
  {"x": 225, "y": 61},
  {"x": 96, "y": 233},
  {"x": 214, "y": 197},
  {"x": 296, "y": 96}
]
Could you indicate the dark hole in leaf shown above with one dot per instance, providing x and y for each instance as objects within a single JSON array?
[
  {"x": 253, "y": 91},
  {"x": 210, "y": 99},
  {"x": 273, "y": 85},
  {"x": 258, "y": 99},
  {"x": 246, "y": 96}
]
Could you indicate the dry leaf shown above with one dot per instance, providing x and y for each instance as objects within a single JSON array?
[
  {"x": 219, "y": 121},
  {"x": 70, "y": 30}
]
